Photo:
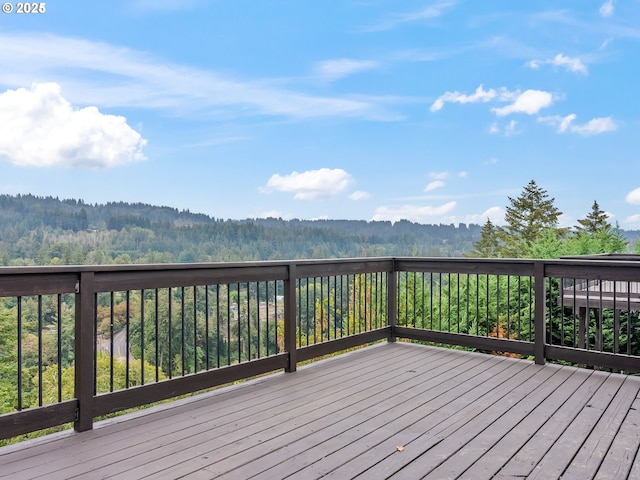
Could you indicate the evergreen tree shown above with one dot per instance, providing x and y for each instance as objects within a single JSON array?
[
  {"x": 595, "y": 221},
  {"x": 488, "y": 246},
  {"x": 527, "y": 217}
]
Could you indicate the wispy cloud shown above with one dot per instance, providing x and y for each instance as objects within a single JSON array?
[
  {"x": 41, "y": 128},
  {"x": 311, "y": 184},
  {"x": 433, "y": 185},
  {"x": 529, "y": 101},
  {"x": 439, "y": 175},
  {"x": 479, "y": 96},
  {"x": 359, "y": 195},
  {"x": 101, "y": 74},
  {"x": 607, "y": 8},
  {"x": 594, "y": 126},
  {"x": 399, "y": 19},
  {"x": 560, "y": 60},
  {"x": 343, "y": 67},
  {"x": 510, "y": 129}
]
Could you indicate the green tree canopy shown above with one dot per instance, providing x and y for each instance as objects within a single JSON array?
[
  {"x": 488, "y": 245},
  {"x": 595, "y": 221},
  {"x": 527, "y": 217}
]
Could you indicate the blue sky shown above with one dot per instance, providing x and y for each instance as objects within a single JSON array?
[{"x": 431, "y": 111}]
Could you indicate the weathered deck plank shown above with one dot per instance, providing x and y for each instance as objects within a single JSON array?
[{"x": 454, "y": 414}]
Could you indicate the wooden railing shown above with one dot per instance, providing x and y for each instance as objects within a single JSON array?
[{"x": 81, "y": 342}]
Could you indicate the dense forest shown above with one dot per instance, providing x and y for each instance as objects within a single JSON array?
[{"x": 46, "y": 230}]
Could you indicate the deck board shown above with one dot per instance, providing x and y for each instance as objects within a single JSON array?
[{"x": 453, "y": 414}]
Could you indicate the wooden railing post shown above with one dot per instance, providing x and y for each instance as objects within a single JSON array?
[
  {"x": 290, "y": 318},
  {"x": 540, "y": 312},
  {"x": 392, "y": 300},
  {"x": 84, "y": 357}
]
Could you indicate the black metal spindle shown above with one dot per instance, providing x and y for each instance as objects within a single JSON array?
[
  {"x": 206, "y": 326},
  {"x": 616, "y": 321},
  {"x": 458, "y": 300},
  {"x": 217, "y": 326},
  {"x": 248, "y": 323},
  {"x": 142, "y": 336},
  {"x": 341, "y": 305},
  {"x": 59, "y": 345},
  {"x": 509, "y": 306},
  {"x": 19, "y": 347},
  {"x": 275, "y": 305},
  {"x": 431, "y": 300},
  {"x": 111, "y": 341},
  {"x": 497, "y": 306},
  {"x": 95, "y": 348},
  {"x": 238, "y": 321},
  {"x": 228, "y": 324},
  {"x": 629, "y": 320},
  {"x": 335, "y": 306},
  {"x": 157, "y": 336},
  {"x": 195, "y": 330},
  {"x": 258, "y": 342},
  {"x": 266, "y": 295},
  {"x": 128, "y": 339},
  {"x": 170, "y": 331},
  {"x": 40, "y": 350},
  {"x": 182, "y": 332}
]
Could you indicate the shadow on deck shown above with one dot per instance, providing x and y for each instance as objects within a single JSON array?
[{"x": 391, "y": 410}]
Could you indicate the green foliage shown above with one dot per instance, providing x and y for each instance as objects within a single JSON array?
[
  {"x": 32, "y": 232},
  {"x": 531, "y": 231},
  {"x": 527, "y": 217},
  {"x": 489, "y": 244},
  {"x": 595, "y": 221}
]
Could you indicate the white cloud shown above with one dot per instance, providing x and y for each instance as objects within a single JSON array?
[
  {"x": 433, "y": 185},
  {"x": 571, "y": 64},
  {"x": 432, "y": 11},
  {"x": 480, "y": 95},
  {"x": 560, "y": 60},
  {"x": 310, "y": 185},
  {"x": 41, "y": 128},
  {"x": 495, "y": 214},
  {"x": 633, "y": 197},
  {"x": 414, "y": 213},
  {"x": 359, "y": 195},
  {"x": 340, "y": 68},
  {"x": 633, "y": 221},
  {"x": 135, "y": 79},
  {"x": 606, "y": 9},
  {"x": 529, "y": 102},
  {"x": 462, "y": 174},
  {"x": 491, "y": 161},
  {"x": 594, "y": 126},
  {"x": 510, "y": 129},
  {"x": 439, "y": 175}
]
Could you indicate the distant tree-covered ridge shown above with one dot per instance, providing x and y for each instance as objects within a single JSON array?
[{"x": 46, "y": 230}]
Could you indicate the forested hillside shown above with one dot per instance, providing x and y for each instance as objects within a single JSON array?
[{"x": 46, "y": 230}]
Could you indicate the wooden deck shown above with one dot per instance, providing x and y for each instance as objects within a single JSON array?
[{"x": 392, "y": 410}]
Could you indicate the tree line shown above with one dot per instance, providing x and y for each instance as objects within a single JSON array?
[{"x": 47, "y": 230}]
